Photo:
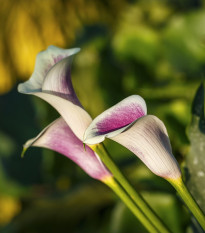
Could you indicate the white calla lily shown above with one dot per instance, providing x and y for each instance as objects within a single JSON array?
[
  {"x": 51, "y": 81},
  {"x": 144, "y": 135}
]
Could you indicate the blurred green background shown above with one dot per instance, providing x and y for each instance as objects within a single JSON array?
[{"x": 154, "y": 48}]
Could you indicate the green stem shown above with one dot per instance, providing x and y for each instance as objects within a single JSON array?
[
  {"x": 130, "y": 204},
  {"x": 136, "y": 197},
  {"x": 189, "y": 201}
]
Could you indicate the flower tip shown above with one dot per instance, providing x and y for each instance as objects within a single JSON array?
[
  {"x": 23, "y": 151},
  {"x": 75, "y": 50},
  {"x": 20, "y": 88},
  {"x": 25, "y": 88},
  {"x": 29, "y": 143},
  {"x": 55, "y": 48}
]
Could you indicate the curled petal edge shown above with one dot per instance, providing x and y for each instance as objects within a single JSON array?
[{"x": 115, "y": 120}]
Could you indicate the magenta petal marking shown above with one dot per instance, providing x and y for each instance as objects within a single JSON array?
[
  {"x": 58, "y": 78},
  {"x": 48, "y": 58},
  {"x": 58, "y": 58},
  {"x": 45, "y": 61},
  {"x": 58, "y": 81},
  {"x": 59, "y": 137},
  {"x": 120, "y": 118},
  {"x": 115, "y": 119}
]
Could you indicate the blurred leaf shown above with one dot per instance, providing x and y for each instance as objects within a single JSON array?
[
  {"x": 183, "y": 42},
  {"x": 194, "y": 227},
  {"x": 7, "y": 145},
  {"x": 123, "y": 221},
  {"x": 195, "y": 160},
  {"x": 165, "y": 206},
  {"x": 71, "y": 213},
  {"x": 168, "y": 209},
  {"x": 17, "y": 124},
  {"x": 140, "y": 43}
]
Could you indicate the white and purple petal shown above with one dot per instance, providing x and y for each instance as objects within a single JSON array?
[
  {"x": 148, "y": 139},
  {"x": 44, "y": 62},
  {"x": 51, "y": 81},
  {"x": 59, "y": 137},
  {"x": 74, "y": 115},
  {"x": 116, "y": 119}
]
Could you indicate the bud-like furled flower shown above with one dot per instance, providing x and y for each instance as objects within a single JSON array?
[{"x": 144, "y": 135}]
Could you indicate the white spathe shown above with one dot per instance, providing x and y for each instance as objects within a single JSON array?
[
  {"x": 145, "y": 135},
  {"x": 51, "y": 81}
]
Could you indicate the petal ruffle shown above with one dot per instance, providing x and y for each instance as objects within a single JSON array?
[
  {"x": 59, "y": 137},
  {"x": 148, "y": 139},
  {"x": 116, "y": 119}
]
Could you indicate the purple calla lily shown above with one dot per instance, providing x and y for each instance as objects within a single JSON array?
[
  {"x": 51, "y": 81},
  {"x": 144, "y": 135},
  {"x": 59, "y": 137}
]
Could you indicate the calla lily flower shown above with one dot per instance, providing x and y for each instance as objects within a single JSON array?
[
  {"x": 51, "y": 81},
  {"x": 144, "y": 135},
  {"x": 59, "y": 137}
]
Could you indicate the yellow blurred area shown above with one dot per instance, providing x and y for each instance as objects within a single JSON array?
[
  {"x": 29, "y": 39},
  {"x": 9, "y": 207},
  {"x": 27, "y": 27},
  {"x": 5, "y": 78}
]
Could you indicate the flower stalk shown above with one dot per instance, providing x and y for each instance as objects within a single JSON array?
[
  {"x": 188, "y": 200},
  {"x": 110, "y": 182},
  {"x": 136, "y": 197}
]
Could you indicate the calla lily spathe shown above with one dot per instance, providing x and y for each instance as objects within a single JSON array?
[
  {"x": 51, "y": 81},
  {"x": 59, "y": 137},
  {"x": 144, "y": 135}
]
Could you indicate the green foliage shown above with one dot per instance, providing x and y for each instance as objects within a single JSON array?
[
  {"x": 165, "y": 206},
  {"x": 72, "y": 210},
  {"x": 195, "y": 160}
]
